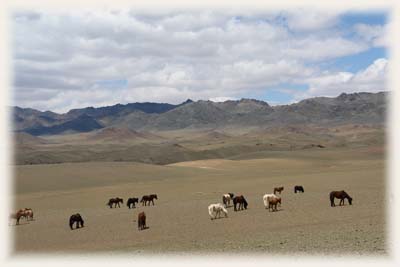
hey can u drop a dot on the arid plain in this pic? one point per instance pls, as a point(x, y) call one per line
point(352, 159)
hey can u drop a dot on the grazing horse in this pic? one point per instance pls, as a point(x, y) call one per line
point(17, 216)
point(115, 202)
point(132, 201)
point(226, 199)
point(241, 201)
point(298, 188)
point(265, 199)
point(215, 210)
point(28, 214)
point(75, 218)
point(278, 189)
point(149, 198)
point(340, 195)
point(142, 221)
point(273, 202)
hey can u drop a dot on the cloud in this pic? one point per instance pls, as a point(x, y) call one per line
point(370, 79)
point(374, 34)
point(311, 20)
point(64, 60)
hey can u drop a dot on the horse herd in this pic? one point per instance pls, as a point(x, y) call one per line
point(114, 202)
point(271, 201)
point(215, 211)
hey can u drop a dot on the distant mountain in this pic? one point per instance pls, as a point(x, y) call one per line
point(360, 108)
point(83, 123)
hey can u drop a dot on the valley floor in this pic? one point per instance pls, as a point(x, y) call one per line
point(179, 221)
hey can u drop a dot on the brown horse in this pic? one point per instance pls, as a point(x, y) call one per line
point(142, 221)
point(75, 218)
point(17, 216)
point(278, 189)
point(148, 198)
point(340, 195)
point(241, 201)
point(28, 214)
point(273, 202)
point(115, 202)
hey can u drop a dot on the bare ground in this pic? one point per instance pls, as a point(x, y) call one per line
point(179, 221)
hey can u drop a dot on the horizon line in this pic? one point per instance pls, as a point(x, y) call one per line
point(202, 100)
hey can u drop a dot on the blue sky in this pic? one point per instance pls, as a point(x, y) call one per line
point(96, 58)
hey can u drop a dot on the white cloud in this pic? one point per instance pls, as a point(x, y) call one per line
point(310, 20)
point(221, 98)
point(374, 34)
point(370, 79)
point(62, 60)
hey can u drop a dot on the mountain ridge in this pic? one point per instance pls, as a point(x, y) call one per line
point(359, 107)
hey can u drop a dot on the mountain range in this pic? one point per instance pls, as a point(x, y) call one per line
point(359, 108)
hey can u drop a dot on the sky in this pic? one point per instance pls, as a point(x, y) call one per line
point(99, 58)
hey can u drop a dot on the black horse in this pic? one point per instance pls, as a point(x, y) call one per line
point(340, 195)
point(241, 201)
point(115, 202)
point(132, 201)
point(298, 188)
point(75, 218)
point(149, 198)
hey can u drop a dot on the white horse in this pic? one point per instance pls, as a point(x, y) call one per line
point(226, 199)
point(215, 210)
point(266, 198)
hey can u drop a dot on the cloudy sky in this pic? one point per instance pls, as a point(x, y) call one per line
point(97, 58)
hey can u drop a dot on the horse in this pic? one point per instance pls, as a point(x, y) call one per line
point(278, 189)
point(340, 195)
point(132, 201)
point(226, 199)
point(241, 201)
point(215, 210)
point(17, 216)
point(273, 202)
point(265, 199)
point(142, 221)
point(149, 198)
point(298, 188)
point(115, 202)
point(28, 214)
point(75, 218)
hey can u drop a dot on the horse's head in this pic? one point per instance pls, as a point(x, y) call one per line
point(350, 200)
point(245, 203)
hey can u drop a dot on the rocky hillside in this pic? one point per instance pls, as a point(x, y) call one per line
point(360, 108)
